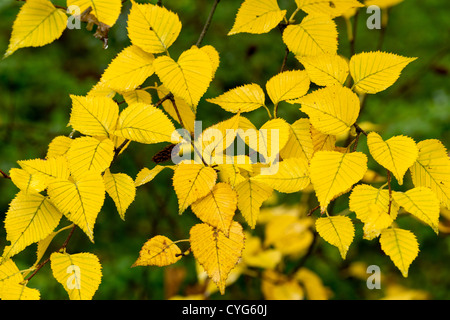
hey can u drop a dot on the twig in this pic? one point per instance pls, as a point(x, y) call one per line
point(312, 210)
point(207, 23)
point(5, 175)
point(63, 246)
point(390, 191)
point(359, 130)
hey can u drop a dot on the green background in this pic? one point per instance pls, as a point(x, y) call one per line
point(35, 84)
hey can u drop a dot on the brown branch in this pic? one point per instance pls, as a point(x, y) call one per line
point(389, 178)
point(6, 176)
point(359, 129)
point(43, 263)
point(207, 23)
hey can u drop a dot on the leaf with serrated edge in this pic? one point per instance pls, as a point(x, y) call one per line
point(396, 154)
point(338, 231)
point(251, 195)
point(288, 85)
point(217, 253)
point(158, 251)
point(106, 11)
point(121, 189)
point(326, 69)
point(244, 98)
point(257, 16)
point(80, 274)
point(401, 246)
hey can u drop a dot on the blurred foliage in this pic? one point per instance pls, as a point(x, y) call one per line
point(35, 84)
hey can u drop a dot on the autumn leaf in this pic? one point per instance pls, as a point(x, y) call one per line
point(158, 251)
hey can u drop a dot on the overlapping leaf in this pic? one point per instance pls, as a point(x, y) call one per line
point(432, 169)
point(422, 203)
point(217, 253)
point(128, 70)
point(326, 69)
point(373, 72)
point(217, 208)
point(251, 195)
point(332, 110)
point(315, 35)
point(288, 85)
point(189, 77)
point(58, 146)
point(288, 176)
point(192, 182)
point(342, 171)
point(333, 8)
point(12, 286)
point(80, 274)
point(338, 231)
point(158, 251)
point(30, 218)
point(87, 154)
point(153, 28)
point(38, 23)
point(52, 168)
point(396, 154)
point(401, 246)
point(94, 116)
point(257, 16)
point(28, 182)
point(121, 189)
point(300, 144)
point(145, 124)
point(80, 201)
point(244, 98)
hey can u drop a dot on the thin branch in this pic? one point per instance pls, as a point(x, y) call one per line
point(174, 104)
point(6, 176)
point(359, 129)
point(207, 23)
point(283, 65)
point(389, 178)
point(63, 246)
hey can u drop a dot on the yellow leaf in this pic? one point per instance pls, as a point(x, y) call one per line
point(146, 175)
point(137, 96)
point(322, 141)
point(289, 234)
point(152, 28)
point(315, 35)
point(11, 284)
point(128, 70)
point(326, 69)
point(315, 290)
point(383, 4)
point(288, 176)
point(332, 8)
point(332, 110)
point(332, 173)
point(158, 251)
point(257, 16)
point(145, 124)
point(273, 136)
point(28, 182)
point(30, 218)
point(101, 89)
point(422, 203)
point(87, 154)
point(183, 110)
point(121, 189)
point(251, 195)
point(38, 23)
point(287, 85)
point(58, 147)
point(401, 246)
point(52, 168)
point(106, 11)
point(362, 200)
point(277, 286)
point(94, 116)
point(245, 98)
point(189, 77)
point(213, 56)
point(217, 138)
point(80, 274)
point(432, 169)
point(338, 231)
point(396, 154)
point(376, 221)
point(217, 253)
point(300, 144)
point(79, 201)
point(217, 208)
point(373, 72)
point(192, 182)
